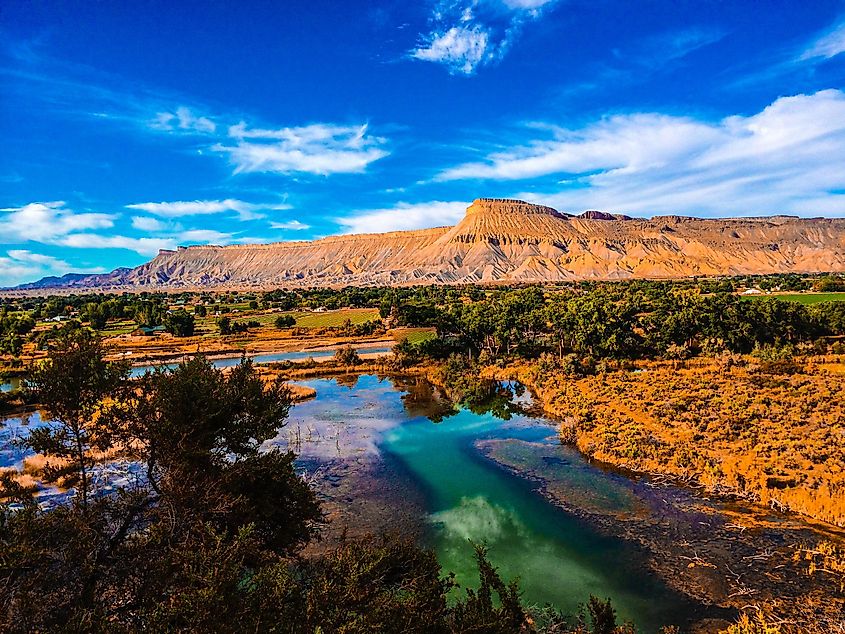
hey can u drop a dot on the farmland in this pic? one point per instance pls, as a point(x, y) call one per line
point(806, 298)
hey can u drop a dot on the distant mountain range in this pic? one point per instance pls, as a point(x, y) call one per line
point(498, 240)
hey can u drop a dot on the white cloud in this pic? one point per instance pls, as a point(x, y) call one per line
point(790, 157)
point(828, 45)
point(148, 224)
point(314, 149)
point(404, 216)
point(183, 119)
point(527, 4)
point(323, 148)
point(46, 221)
point(53, 223)
point(21, 265)
point(460, 48)
point(180, 208)
point(465, 36)
point(290, 225)
point(204, 236)
point(141, 246)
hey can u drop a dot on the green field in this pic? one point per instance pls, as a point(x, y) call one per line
point(807, 298)
point(417, 335)
point(333, 318)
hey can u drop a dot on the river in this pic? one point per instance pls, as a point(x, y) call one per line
point(367, 421)
point(559, 558)
point(266, 357)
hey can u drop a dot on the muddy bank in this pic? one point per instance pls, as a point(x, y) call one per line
point(365, 497)
point(719, 551)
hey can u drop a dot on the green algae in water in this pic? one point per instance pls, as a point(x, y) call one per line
point(558, 558)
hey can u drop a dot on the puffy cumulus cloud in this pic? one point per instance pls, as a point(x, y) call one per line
point(321, 149)
point(790, 157)
point(46, 222)
point(21, 265)
point(55, 224)
point(828, 45)
point(404, 216)
point(183, 120)
point(467, 35)
point(180, 208)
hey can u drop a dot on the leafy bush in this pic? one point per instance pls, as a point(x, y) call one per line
point(347, 355)
point(285, 321)
point(179, 323)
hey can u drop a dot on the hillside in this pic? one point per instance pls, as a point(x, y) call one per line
point(502, 240)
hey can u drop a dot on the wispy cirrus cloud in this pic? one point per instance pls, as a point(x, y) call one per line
point(183, 119)
point(790, 157)
point(829, 44)
point(290, 225)
point(142, 246)
point(181, 208)
point(404, 216)
point(662, 49)
point(319, 148)
point(466, 35)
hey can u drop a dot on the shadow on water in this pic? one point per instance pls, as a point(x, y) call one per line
point(559, 558)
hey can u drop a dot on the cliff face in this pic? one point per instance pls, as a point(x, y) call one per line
point(508, 241)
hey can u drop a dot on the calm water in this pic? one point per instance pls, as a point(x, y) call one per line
point(559, 558)
point(270, 357)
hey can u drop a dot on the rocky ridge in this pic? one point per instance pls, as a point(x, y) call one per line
point(504, 240)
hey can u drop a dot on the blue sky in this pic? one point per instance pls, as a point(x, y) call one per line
point(130, 127)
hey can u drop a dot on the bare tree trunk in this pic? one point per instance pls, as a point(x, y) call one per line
point(83, 469)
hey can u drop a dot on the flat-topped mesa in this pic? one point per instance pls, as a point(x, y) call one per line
point(501, 240)
point(509, 206)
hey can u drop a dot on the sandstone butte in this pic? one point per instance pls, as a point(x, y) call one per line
point(502, 240)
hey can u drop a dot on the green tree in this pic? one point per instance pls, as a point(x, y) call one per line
point(72, 386)
point(285, 321)
point(347, 355)
point(179, 323)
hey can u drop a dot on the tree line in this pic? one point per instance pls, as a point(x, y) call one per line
point(635, 320)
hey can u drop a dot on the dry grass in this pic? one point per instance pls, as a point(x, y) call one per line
point(775, 438)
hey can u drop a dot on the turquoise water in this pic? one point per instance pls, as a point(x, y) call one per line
point(559, 558)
